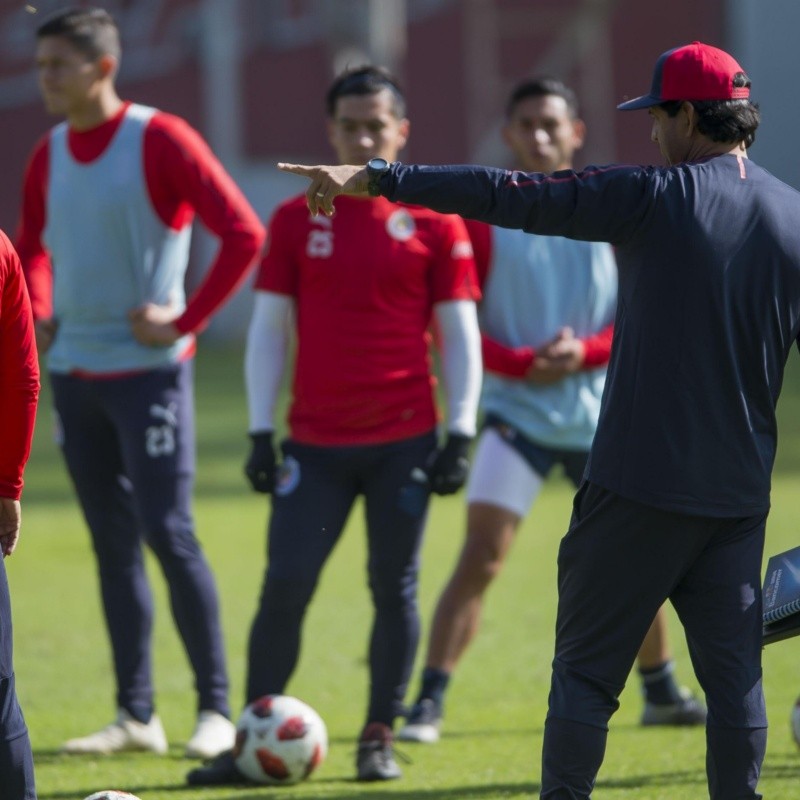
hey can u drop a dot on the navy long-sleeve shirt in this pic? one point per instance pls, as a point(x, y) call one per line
point(709, 306)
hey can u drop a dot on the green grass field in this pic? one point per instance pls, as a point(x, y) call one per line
point(490, 748)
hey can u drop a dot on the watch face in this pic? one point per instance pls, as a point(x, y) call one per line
point(376, 167)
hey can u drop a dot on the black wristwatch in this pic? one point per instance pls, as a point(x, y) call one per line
point(376, 169)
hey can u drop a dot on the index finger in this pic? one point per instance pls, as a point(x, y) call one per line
point(298, 169)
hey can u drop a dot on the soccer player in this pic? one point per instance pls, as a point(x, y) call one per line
point(362, 289)
point(546, 320)
point(19, 392)
point(677, 491)
point(109, 198)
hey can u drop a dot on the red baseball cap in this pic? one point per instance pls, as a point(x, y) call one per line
point(695, 71)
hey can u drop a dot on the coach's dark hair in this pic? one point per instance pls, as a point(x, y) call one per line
point(540, 87)
point(365, 80)
point(92, 31)
point(724, 120)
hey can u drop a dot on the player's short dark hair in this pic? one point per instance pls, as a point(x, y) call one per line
point(91, 31)
point(365, 80)
point(541, 87)
point(724, 120)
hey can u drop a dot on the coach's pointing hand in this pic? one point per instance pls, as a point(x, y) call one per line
point(329, 182)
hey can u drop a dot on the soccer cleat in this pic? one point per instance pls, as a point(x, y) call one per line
point(375, 758)
point(688, 711)
point(214, 734)
point(422, 723)
point(220, 771)
point(123, 735)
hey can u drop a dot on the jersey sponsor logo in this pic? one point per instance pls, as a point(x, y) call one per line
point(288, 477)
point(159, 440)
point(400, 225)
point(461, 250)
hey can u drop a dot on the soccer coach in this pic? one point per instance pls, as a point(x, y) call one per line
point(676, 493)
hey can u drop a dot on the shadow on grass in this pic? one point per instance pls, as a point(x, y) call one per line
point(778, 768)
point(332, 787)
point(784, 768)
point(676, 778)
point(366, 791)
point(350, 788)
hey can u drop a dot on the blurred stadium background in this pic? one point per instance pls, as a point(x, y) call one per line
point(251, 76)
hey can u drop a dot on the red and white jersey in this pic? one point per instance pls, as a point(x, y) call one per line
point(127, 190)
point(532, 287)
point(19, 372)
point(364, 284)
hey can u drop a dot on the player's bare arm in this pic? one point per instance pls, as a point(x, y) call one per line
point(328, 182)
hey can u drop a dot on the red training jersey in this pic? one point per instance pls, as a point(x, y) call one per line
point(183, 177)
point(19, 372)
point(364, 283)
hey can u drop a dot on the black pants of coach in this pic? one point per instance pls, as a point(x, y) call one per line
point(16, 761)
point(129, 444)
point(315, 491)
point(617, 564)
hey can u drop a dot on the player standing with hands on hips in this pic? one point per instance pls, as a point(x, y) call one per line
point(109, 199)
point(19, 392)
point(362, 289)
point(546, 320)
point(678, 482)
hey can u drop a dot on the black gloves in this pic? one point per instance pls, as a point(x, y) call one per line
point(449, 465)
point(260, 467)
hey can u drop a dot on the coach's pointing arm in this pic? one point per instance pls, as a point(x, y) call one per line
point(596, 204)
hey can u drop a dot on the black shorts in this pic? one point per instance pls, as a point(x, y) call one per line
point(541, 459)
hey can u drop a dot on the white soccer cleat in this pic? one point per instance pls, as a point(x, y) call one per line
point(213, 734)
point(125, 734)
point(423, 723)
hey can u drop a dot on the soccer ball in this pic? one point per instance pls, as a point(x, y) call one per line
point(111, 794)
point(279, 740)
point(795, 720)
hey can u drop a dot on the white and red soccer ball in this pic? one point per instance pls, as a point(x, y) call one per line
point(111, 794)
point(279, 740)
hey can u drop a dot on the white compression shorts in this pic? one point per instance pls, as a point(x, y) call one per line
point(500, 476)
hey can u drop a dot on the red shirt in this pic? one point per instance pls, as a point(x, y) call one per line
point(365, 282)
point(183, 178)
point(19, 372)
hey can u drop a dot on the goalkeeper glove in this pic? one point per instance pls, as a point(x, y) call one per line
point(260, 466)
point(449, 465)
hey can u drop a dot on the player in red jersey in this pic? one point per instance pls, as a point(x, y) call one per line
point(109, 198)
point(19, 391)
point(363, 288)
